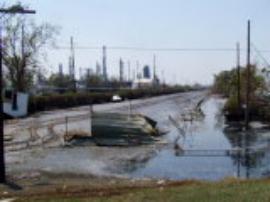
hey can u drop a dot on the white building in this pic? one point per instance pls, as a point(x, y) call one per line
point(142, 83)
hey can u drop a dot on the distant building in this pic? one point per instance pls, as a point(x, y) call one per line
point(60, 69)
point(89, 72)
point(98, 69)
point(80, 73)
point(142, 83)
point(146, 72)
point(71, 68)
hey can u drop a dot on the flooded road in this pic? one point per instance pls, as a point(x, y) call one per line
point(211, 151)
point(201, 148)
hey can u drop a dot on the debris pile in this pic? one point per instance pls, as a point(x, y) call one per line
point(114, 129)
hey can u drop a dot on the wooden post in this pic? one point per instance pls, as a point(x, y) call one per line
point(66, 120)
point(247, 78)
point(238, 76)
point(90, 119)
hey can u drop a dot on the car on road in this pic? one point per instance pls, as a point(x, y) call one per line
point(116, 98)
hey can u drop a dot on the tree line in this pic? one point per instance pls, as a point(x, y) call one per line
point(226, 83)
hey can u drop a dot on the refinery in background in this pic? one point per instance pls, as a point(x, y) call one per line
point(98, 79)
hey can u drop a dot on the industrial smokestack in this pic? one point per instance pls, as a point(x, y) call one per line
point(121, 70)
point(104, 64)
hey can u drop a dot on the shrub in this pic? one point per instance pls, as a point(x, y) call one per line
point(61, 101)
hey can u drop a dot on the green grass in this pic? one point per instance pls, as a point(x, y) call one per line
point(204, 192)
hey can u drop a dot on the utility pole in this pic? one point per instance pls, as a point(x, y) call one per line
point(2, 155)
point(238, 77)
point(247, 78)
point(11, 10)
point(154, 67)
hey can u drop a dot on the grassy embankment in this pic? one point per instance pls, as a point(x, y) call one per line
point(227, 190)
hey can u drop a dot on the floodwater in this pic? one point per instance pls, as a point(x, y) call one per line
point(206, 151)
point(204, 148)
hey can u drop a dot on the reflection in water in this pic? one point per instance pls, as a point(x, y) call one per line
point(219, 123)
point(250, 155)
point(131, 163)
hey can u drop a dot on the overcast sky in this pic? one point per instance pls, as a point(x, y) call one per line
point(157, 24)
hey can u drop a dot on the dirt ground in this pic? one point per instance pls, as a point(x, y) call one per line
point(66, 185)
point(86, 188)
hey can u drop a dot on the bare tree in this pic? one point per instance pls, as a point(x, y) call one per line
point(24, 44)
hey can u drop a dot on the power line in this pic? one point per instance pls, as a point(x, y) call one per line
point(260, 55)
point(131, 48)
point(145, 48)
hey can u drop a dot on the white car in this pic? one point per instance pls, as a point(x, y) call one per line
point(116, 98)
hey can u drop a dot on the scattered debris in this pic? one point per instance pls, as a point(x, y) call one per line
point(188, 116)
point(161, 182)
point(8, 138)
